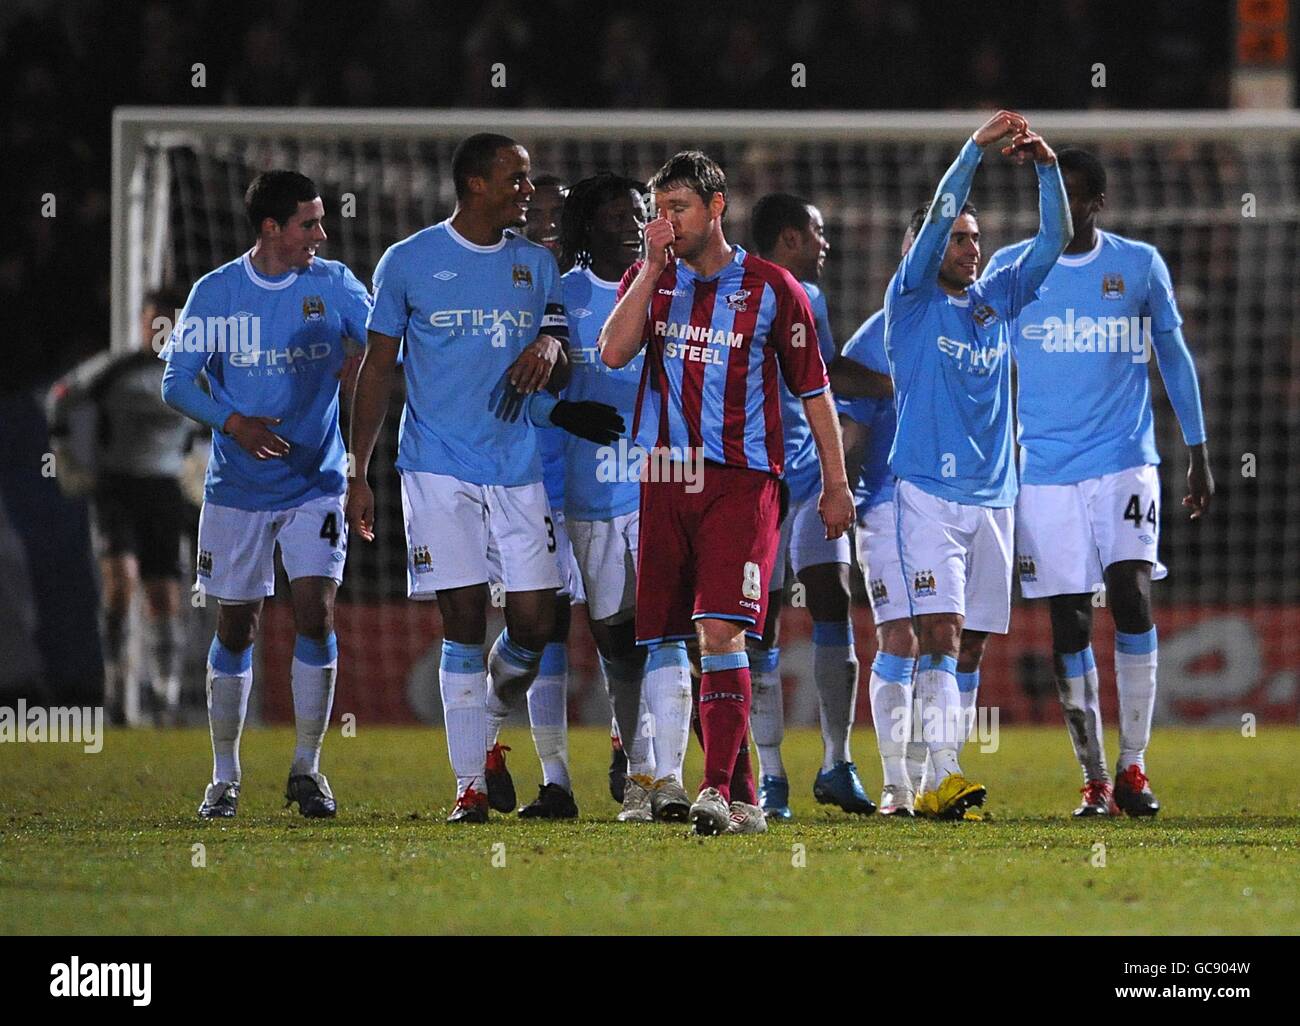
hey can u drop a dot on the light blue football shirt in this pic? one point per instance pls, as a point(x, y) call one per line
point(594, 485)
point(465, 313)
point(950, 356)
point(281, 355)
point(1082, 352)
point(803, 473)
point(874, 482)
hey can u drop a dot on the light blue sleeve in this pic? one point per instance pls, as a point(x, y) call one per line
point(389, 311)
point(537, 410)
point(1160, 305)
point(187, 347)
point(181, 391)
point(921, 264)
point(1015, 286)
point(356, 306)
point(867, 349)
point(1178, 370)
point(822, 320)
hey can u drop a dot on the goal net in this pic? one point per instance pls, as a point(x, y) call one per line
point(1217, 193)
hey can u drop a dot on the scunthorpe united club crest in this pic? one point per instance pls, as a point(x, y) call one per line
point(736, 301)
point(923, 583)
point(1028, 569)
point(313, 308)
point(421, 560)
point(1112, 286)
point(522, 277)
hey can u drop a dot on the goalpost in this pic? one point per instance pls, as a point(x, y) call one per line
point(1217, 192)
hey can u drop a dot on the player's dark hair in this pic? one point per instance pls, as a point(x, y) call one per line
point(1086, 164)
point(579, 217)
point(919, 215)
point(166, 298)
point(276, 194)
point(541, 181)
point(692, 169)
point(473, 158)
point(773, 214)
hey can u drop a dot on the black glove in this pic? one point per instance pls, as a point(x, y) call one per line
point(596, 422)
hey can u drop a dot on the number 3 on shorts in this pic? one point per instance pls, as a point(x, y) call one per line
point(1133, 512)
point(329, 529)
point(550, 534)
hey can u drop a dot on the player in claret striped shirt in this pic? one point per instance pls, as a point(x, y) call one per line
point(723, 327)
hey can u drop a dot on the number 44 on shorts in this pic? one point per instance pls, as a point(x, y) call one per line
point(1133, 512)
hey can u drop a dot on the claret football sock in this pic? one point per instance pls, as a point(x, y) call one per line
point(230, 681)
point(725, 692)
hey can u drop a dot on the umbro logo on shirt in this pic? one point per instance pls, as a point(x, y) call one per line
point(580, 313)
point(445, 275)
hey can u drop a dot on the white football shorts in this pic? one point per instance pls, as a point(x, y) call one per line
point(452, 525)
point(236, 561)
point(882, 570)
point(956, 558)
point(1066, 535)
point(804, 543)
point(605, 552)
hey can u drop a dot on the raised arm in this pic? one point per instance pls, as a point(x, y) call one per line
point(921, 263)
point(624, 333)
point(1055, 229)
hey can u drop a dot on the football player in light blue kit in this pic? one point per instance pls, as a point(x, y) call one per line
point(789, 231)
point(649, 687)
point(475, 305)
point(1088, 514)
point(948, 337)
point(268, 331)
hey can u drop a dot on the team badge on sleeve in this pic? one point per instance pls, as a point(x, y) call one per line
point(879, 593)
point(205, 563)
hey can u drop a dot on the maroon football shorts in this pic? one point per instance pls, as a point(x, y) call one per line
point(707, 553)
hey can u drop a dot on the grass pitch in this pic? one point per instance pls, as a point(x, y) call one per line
point(106, 844)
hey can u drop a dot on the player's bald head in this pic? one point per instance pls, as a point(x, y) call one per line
point(474, 157)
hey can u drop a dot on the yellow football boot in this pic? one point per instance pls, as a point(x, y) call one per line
point(955, 795)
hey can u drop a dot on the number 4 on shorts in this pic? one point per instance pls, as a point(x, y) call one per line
point(330, 529)
point(1133, 511)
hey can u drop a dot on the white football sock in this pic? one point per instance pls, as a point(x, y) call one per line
point(936, 686)
point(1135, 679)
point(891, 713)
point(548, 715)
point(1081, 704)
point(968, 686)
point(315, 667)
point(835, 668)
point(229, 683)
point(666, 697)
point(767, 709)
point(511, 669)
point(462, 679)
point(623, 676)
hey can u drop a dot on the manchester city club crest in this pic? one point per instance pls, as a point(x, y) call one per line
point(879, 593)
point(985, 315)
point(923, 583)
point(522, 277)
point(205, 563)
point(1028, 569)
point(1112, 286)
point(313, 308)
point(421, 560)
